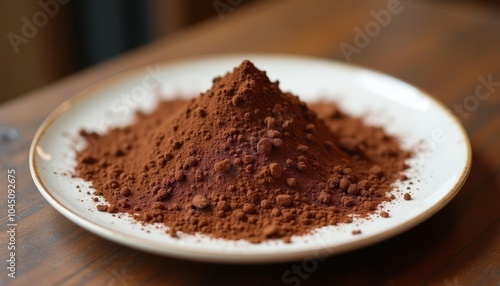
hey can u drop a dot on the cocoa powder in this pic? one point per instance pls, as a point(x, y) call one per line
point(244, 160)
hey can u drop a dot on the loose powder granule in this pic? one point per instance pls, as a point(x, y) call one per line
point(407, 196)
point(244, 160)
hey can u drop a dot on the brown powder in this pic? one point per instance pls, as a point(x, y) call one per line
point(244, 160)
point(407, 196)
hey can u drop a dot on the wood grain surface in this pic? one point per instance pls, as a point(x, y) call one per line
point(447, 49)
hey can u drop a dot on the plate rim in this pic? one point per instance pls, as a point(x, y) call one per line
point(179, 251)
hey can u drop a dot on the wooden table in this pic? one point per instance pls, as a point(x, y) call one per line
point(444, 48)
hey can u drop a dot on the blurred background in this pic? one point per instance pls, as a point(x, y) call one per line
point(48, 39)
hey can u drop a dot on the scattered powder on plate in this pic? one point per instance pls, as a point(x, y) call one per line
point(244, 160)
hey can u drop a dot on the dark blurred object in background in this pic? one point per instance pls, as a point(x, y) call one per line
point(104, 29)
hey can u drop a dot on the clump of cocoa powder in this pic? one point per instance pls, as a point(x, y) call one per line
point(244, 160)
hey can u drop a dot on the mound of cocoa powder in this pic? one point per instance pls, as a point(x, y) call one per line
point(244, 160)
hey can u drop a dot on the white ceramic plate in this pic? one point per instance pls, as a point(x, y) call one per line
point(437, 172)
